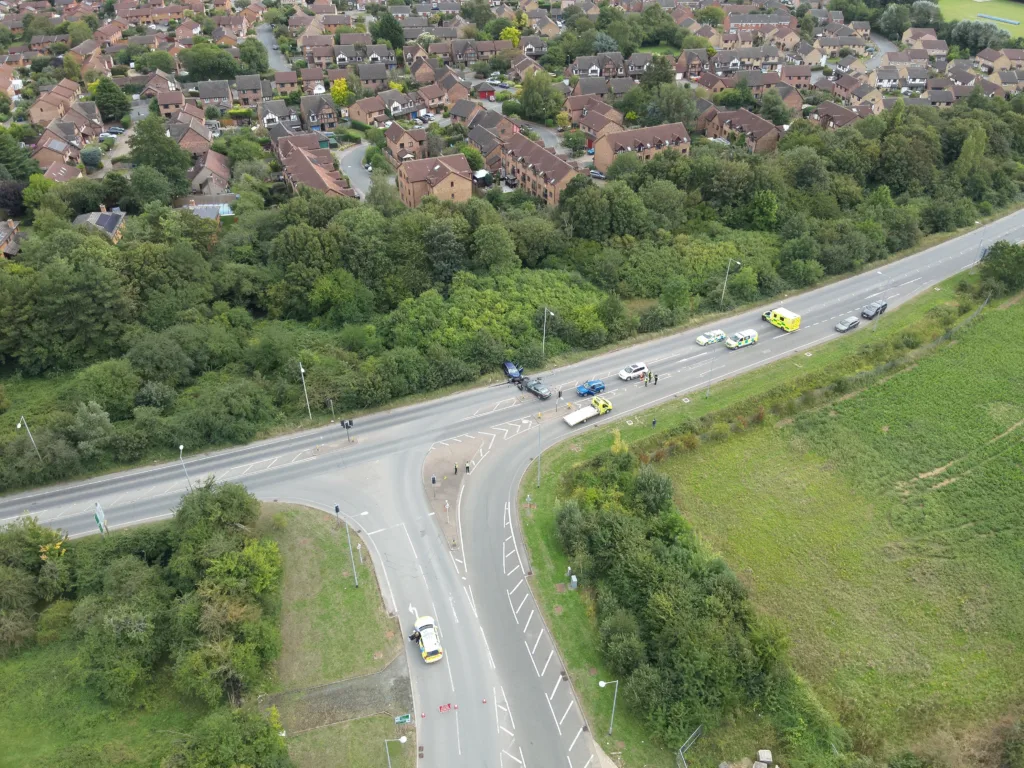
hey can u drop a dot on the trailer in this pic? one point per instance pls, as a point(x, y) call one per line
point(598, 406)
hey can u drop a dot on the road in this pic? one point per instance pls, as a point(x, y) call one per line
point(511, 705)
point(351, 163)
point(883, 45)
point(278, 61)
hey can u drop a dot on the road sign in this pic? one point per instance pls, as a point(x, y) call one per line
point(403, 719)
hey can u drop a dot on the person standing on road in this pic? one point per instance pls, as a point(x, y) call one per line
point(456, 467)
point(655, 379)
point(647, 379)
point(467, 467)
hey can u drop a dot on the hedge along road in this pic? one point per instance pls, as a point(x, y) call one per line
point(511, 705)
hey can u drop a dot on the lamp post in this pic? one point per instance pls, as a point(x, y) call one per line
point(544, 337)
point(726, 283)
point(615, 698)
point(181, 458)
point(400, 740)
point(21, 422)
point(331, 403)
point(302, 373)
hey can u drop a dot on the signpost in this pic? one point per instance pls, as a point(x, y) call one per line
point(403, 719)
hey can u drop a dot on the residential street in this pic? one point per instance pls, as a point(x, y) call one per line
point(351, 163)
point(884, 46)
point(278, 61)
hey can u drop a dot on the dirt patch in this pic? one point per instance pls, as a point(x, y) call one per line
point(575, 448)
point(389, 634)
point(885, 428)
point(945, 482)
point(1010, 302)
point(378, 655)
point(558, 610)
point(559, 588)
point(593, 671)
point(937, 470)
point(783, 423)
point(1011, 429)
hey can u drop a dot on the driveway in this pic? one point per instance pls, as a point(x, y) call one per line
point(351, 163)
point(278, 61)
point(883, 45)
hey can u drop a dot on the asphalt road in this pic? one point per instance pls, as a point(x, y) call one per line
point(278, 61)
point(511, 705)
point(351, 163)
point(883, 45)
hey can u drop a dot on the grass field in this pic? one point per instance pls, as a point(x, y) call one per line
point(48, 717)
point(572, 624)
point(332, 631)
point(969, 10)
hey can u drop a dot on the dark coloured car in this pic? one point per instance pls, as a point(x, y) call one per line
point(535, 387)
point(513, 372)
point(875, 309)
point(847, 324)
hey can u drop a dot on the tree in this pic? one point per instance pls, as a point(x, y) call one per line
point(1004, 263)
point(671, 103)
point(147, 185)
point(154, 60)
point(233, 737)
point(659, 71)
point(895, 20)
point(151, 146)
point(575, 142)
point(206, 61)
point(925, 14)
point(253, 56)
point(713, 15)
point(15, 162)
point(494, 250)
point(539, 98)
point(773, 108)
point(387, 28)
point(112, 102)
point(340, 92)
point(603, 42)
point(38, 188)
point(562, 120)
point(510, 33)
point(473, 156)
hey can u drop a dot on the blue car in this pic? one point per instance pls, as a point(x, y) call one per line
point(590, 388)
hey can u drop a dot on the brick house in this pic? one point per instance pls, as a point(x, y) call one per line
point(464, 111)
point(368, 111)
point(446, 178)
point(404, 145)
point(645, 143)
point(170, 103)
point(211, 174)
point(758, 134)
point(216, 93)
point(373, 77)
point(535, 168)
point(286, 82)
point(318, 113)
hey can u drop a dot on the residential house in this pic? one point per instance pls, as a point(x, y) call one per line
point(758, 22)
point(286, 82)
point(400, 104)
point(373, 77)
point(312, 80)
point(596, 125)
point(533, 46)
point(500, 126)
point(489, 146)
point(543, 24)
point(602, 65)
point(797, 76)
point(434, 98)
point(591, 86)
point(109, 223)
point(535, 168)
point(369, 111)
point(757, 134)
point(318, 113)
point(53, 150)
point(914, 34)
point(9, 237)
point(211, 174)
point(578, 106)
point(691, 64)
point(170, 103)
point(521, 65)
point(447, 178)
point(454, 87)
point(61, 172)
point(157, 83)
point(403, 145)
point(277, 112)
point(40, 43)
point(190, 133)
point(833, 45)
point(832, 116)
point(249, 90)
point(937, 50)
point(109, 33)
point(851, 65)
point(413, 52)
point(464, 111)
point(644, 142)
point(216, 93)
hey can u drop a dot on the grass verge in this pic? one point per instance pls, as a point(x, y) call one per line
point(353, 744)
point(330, 630)
point(571, 617)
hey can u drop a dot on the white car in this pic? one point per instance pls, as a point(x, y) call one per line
point(711, 337)
point(634, 371)
point(103, 136)
point(429, 640)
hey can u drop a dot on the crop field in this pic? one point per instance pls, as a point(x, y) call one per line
point(969, 10)
point(884, 532)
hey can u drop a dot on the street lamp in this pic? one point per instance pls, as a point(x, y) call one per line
point(615, 698)
point(726, 283)
point(400, 740)
point(302, 373)
point(181, 458)
point(34, 446)
point(544, 338)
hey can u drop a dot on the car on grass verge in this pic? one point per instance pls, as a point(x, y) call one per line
point(634, 371)
point(430, 639)
point(874, 309)
point(592, 387)
point(513, 372)
point(711, 337)
point(848, 324)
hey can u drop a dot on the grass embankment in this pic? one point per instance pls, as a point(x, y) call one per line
point(573, 624)
point(330, 631)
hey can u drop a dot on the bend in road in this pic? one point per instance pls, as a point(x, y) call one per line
point(515, 704)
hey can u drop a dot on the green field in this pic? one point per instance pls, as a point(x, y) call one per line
point(969, 10)
point(818, 520)
point(355, 744)
point(886, 536)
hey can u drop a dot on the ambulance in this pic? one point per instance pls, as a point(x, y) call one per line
point(783, 318)
point(741, 339)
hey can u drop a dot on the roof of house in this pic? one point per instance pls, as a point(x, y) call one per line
point(373, 71)
point(546, 163)
point(214, 89)
point(106, 221)
point(435, 169)
point(215, 162)
point(248, 83)
point(61, 172)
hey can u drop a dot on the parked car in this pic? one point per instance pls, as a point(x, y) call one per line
point(115, 129)
point(490, 98)
point(634, 371)
point(429, 639)
point(535, 387)
point(848, 324)
point(711, 337)
point(276, 47)
point(494, 81)
point(590, 151)
point(596, 174)
point(367, 167)
point(588, 388)
point(104, 136)
point(874, 309)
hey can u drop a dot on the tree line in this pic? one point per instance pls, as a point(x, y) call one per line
point(189, 333)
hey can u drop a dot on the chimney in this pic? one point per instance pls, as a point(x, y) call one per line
point(103, 208)
point(10, 224)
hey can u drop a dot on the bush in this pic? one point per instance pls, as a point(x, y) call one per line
point(654, 318)
point(359, 126)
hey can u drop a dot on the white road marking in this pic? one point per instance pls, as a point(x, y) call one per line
point(575, 739)
point(516, 568)
point(532, 661)
point(379, 530)
point(528, 622)
point(512, 606)
point(550, 654)
point(571, 702)
point(534, 649)
point(451, 600)
point(553, 715)
point(458, 736)
point(512, 756)
point(508, 709)
point(521, 604)
point(490, 658)
point(517, 586)
point(558, 682)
